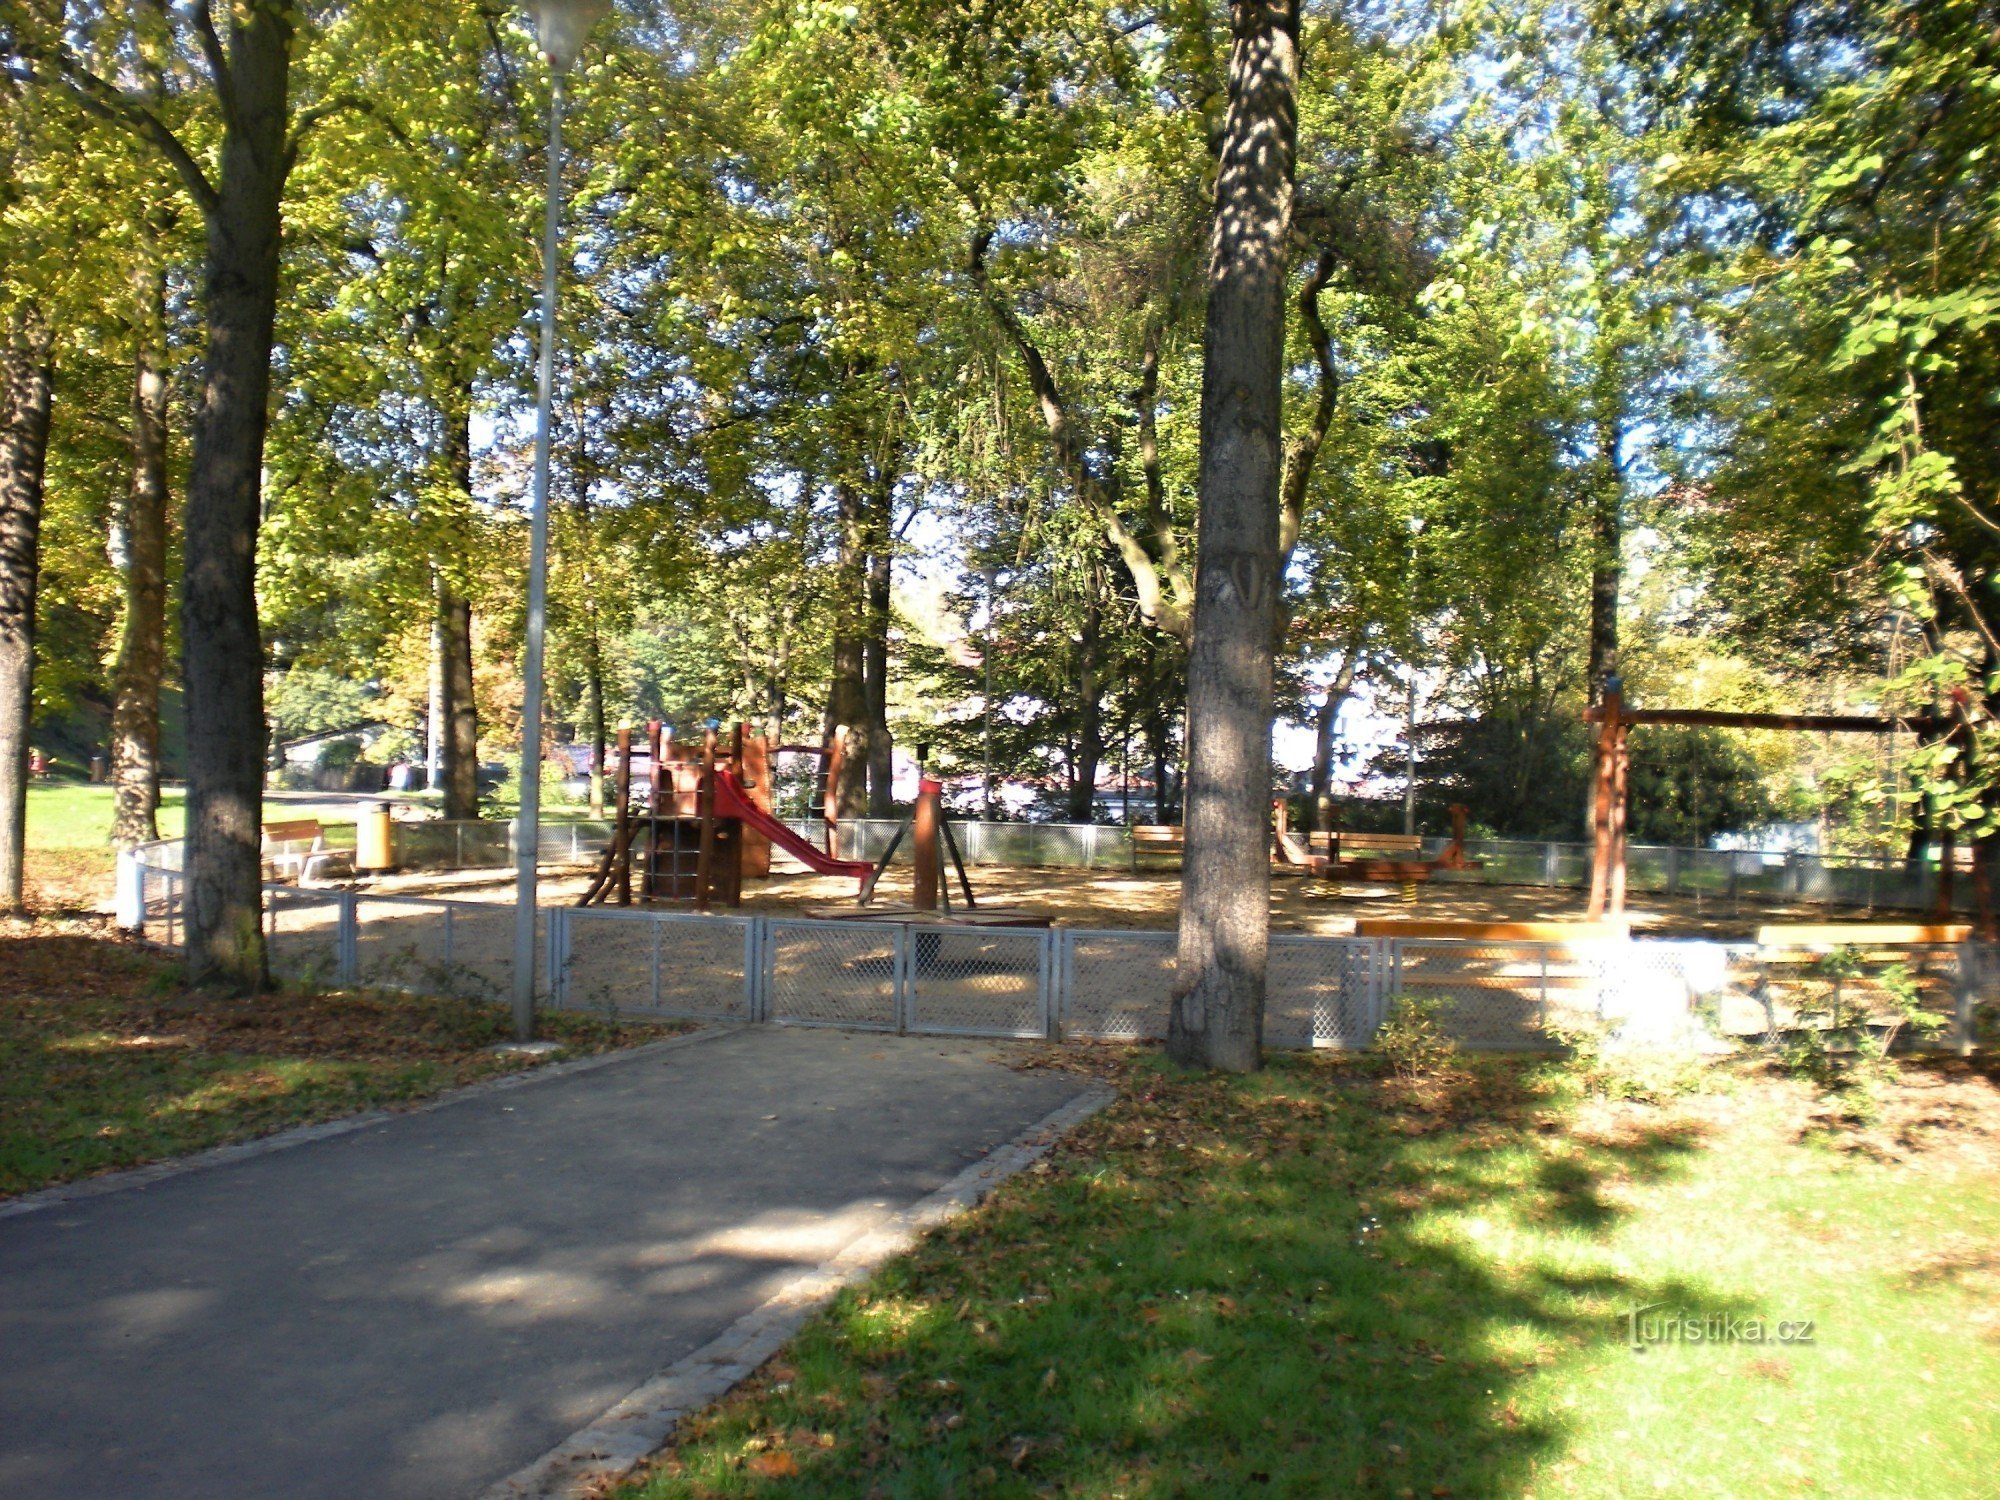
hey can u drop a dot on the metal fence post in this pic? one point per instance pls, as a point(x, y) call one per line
point(757, 955)
point(347, 939)
point(1965, 988)
point(1044, 980)
point(901, 968)
point(1059, 1002)
point(131, 897)
point(1550, 863)
point(1542, 1011)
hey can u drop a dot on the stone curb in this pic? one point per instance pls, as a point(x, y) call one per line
point(305, 1135)
point(642, 1423)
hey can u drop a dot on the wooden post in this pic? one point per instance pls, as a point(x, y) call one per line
point(753, 768)
point(659, 746)
point(836, 752)
point(1947, 843)
point(924, 835)
point(704, 864)
point(624, 834)
point(1604, 790)
point(1620, 763)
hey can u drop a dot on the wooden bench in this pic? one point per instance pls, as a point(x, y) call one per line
point(1376, 845)
point(1157, 841)
point(1860, 934)
point(297, 851)
point(1491, 932)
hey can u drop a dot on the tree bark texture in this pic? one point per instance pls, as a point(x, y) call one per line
point(1218, 998)
point(875, 654)
point(1337, 694)
point(27, 385)
point(223, 648)
point(1607, 535)
point(142, 626)
point(461, 709)
point(847, 698)
point(1089, 737)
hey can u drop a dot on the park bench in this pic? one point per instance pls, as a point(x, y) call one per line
point(1347, 845)
point(297, 851)
point(1554, 967)
point(1157, 841)
point(1791, 961)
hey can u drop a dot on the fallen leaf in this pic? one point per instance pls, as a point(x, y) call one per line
point(779, 1465)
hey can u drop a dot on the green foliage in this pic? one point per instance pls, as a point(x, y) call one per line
point(308, 700)
point(1848, 1023)
point(1414, 1042)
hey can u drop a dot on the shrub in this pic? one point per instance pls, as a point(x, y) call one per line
point(1847, 1030)
point(1413, 1041)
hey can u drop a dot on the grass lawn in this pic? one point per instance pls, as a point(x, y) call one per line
point(107, 1062)
point(75, 815)
point(1311, 1283)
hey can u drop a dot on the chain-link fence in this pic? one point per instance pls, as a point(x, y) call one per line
point(1083, 983)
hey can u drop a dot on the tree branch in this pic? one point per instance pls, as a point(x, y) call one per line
point(1302, 452)
point(1162, 595)
point(216, 57)
point(107, 102)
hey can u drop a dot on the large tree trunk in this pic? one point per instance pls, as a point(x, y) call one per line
point(875, 656)
point(1607, 537)
point(1337, 693)
point(1218, 999)
point(142, 626)
point(224, 652)
point(461, 709)
point(593, 666)
point(1089, 738)
point(847, 696)
point(27, 384)
point(461, 712)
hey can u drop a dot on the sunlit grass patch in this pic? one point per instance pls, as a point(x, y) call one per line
point(1289, 1284)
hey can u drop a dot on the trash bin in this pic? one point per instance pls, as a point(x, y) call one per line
point(371, 837)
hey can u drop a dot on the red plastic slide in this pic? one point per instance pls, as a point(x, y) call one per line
point(732, 801)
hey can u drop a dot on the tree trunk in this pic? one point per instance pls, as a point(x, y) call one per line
point(27, 384)
point(875, 656)
point(1337, 693)
point(1089, 738)
point(224, 651)
point(594, 703)
point(847, 697)
point(142, 627)
point(1607, 536)
point(461, 711)
point(461, 707)
point(1218, 998)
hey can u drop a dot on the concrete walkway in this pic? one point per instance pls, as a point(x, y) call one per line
point(421, 1307)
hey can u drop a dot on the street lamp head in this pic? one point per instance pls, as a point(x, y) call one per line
point(563, 25)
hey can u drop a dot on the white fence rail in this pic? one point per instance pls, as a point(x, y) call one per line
point(1053, 983)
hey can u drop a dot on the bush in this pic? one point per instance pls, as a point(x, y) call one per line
point(1641, 1075)
point(1847, 1033)
point(1414, 1043)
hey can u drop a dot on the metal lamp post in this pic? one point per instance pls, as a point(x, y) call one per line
point(562, 26)
point(1416, 525)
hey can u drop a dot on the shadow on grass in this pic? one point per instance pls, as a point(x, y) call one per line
point(1275, 1285)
